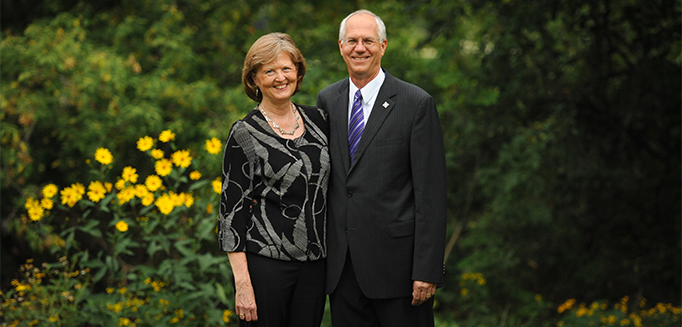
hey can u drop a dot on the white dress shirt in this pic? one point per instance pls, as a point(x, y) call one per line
point(369, 95)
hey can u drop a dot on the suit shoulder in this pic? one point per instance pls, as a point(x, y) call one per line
point(410, 89)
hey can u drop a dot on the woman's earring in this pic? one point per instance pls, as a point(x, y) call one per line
point(257, 92)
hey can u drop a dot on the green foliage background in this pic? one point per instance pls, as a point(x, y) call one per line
point(561, 122)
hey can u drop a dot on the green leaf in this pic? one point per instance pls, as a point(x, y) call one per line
point(220, 291)
point(184, 249)
point(198, 184)
point(90, 228)
point(207, 260)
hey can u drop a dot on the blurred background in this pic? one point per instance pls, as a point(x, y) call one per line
point(561, 121)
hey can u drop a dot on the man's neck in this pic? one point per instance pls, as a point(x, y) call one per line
point(360, 82)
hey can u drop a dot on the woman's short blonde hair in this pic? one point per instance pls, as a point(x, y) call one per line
point(265, 50)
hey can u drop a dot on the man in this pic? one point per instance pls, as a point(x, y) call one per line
point(387, 196)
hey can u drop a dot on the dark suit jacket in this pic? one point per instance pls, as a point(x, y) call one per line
point(388, 208)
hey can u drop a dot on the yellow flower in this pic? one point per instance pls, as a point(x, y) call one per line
point(165, 204)
point(35, 211)
point(147, 280)
point(611, 319)
point(116, 308)
point(120, 184)
point(164, 302)
point(78, 187)
point(209, 208)
point(226, 316)
point(178, 199)
point(130, 174)
point(166, 136)
point(163, 167)
point(153, 182)
point(50, 190)
point(217, 185)
point(189, 200)
point(126, 194)
point(464, 292)
point(123, 290)
point(46, 203)
point(110, 290)
point(213, 146)
point(122, 226)
point(181, 158)
point(157, 285)
point(195, 175)
point(141, 191)
point(103, 155)
point(581, 310)
point(157, 153)
point(566, 306)
point(123, 321)
point(148, 199)
point(145, 143)
point(54, 318)
point(96, 191)
point(108, 186)
point(71, 195)
point(19, 287)
point(661, 307)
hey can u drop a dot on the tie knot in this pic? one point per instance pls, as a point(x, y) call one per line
point(358, 95)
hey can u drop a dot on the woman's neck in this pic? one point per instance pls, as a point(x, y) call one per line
point(278, 109)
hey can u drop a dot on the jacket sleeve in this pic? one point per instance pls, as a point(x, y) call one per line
point(427, 159)
point(235, 197)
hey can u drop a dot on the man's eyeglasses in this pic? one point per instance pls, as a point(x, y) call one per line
point(368, 43)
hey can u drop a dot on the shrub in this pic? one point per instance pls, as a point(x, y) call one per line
point(136, 247)
point(600, 313)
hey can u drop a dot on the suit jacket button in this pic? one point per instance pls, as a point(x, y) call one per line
point(349, 194)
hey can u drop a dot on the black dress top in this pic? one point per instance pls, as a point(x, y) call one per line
point(274, 196)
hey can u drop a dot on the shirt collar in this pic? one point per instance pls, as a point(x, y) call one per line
point(370, 91)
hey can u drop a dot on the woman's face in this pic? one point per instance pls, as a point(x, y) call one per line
point(277, 79)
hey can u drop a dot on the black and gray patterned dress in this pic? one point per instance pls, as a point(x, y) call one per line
point(274, 196)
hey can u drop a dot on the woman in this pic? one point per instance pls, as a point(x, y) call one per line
point(273, 202)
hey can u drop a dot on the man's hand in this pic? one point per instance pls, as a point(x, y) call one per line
point(422, 291)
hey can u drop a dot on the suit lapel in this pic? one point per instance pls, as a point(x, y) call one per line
point(339, 117)
point(381, 109)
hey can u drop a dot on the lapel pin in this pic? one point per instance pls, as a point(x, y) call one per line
point(385, 105)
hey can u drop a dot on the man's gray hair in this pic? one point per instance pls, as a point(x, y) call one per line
point(381, 28)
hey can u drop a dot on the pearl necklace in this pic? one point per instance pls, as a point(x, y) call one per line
point(281, 131)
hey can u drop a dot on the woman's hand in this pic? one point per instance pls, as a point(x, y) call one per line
point(245, 302)
point(245, 299)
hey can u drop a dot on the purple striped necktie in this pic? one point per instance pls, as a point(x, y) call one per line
point(355, 126)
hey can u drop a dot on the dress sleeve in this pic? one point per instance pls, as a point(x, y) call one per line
point(235, 197)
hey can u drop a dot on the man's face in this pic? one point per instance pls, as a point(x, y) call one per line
point(360, 48)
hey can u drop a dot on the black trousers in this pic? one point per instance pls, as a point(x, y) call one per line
point(288, 294)
point(351, 308)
